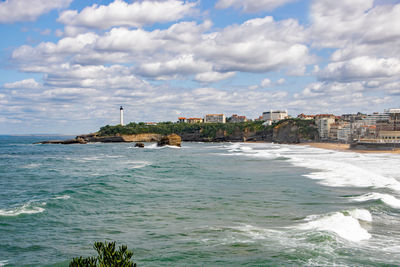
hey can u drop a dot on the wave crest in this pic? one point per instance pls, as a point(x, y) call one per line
point(385, 198)
point(344, 224)
point(27, 208)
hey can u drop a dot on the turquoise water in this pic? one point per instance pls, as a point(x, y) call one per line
point(203, 204)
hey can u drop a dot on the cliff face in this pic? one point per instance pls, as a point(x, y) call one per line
point(292, 132)
point(150, 137)
point(286, 132)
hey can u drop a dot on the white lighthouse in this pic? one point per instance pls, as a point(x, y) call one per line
point(121, 116)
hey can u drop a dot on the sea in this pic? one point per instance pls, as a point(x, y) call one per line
point(204, 204)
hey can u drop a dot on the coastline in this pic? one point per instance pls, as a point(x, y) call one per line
point(345, 148)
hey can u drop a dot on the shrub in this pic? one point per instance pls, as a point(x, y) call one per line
point(107, 257)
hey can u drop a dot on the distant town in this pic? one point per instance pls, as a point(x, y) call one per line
point(347, 128)
point(375, 128)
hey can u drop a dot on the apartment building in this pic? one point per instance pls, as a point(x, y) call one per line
point(194, 120)
point(219, 118)
point(236, 118)
point(274, 115)
point(323, 122)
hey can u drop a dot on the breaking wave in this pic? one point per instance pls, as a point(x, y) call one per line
point(27, 208)
point(385, 198)
point(62, 197)
point(345, 224)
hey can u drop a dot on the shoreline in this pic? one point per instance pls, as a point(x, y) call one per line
point(345, 148)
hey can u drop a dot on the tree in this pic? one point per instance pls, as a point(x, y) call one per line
point(108, 257)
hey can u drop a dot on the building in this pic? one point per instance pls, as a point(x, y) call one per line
point(344, 134)
point(305, 117)
point(391, 123)
point(121, 116)
point(392, 110)
point(368, 132)
point(394, 118)
point(236, 118)
point(323, 122)
point(182, 119)
point(333, 131)
point(389, 136)
point(216, 118)
point(374, 117)
point(194, 120)
point(274, 115)
point(353, 117)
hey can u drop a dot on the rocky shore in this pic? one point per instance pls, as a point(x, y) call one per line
point(172, 139)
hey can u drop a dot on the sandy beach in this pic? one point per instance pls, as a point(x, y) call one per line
point(346, 147)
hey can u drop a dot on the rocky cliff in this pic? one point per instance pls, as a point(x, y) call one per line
point(294, 131)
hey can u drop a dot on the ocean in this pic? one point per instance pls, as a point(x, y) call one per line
point(205, 204)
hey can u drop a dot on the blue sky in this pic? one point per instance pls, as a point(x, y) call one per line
point(66, 66)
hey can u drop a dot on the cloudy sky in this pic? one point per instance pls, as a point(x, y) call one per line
point(67, 65)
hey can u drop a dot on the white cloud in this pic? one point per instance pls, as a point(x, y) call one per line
point(266, 83)
point(252, 5)
point(28, 10)
point(337, 98)
point(361, 68)
point(28, 83)
point(120, 13)
point(280, 81)
point(349, 22)
point(186, 48)
point(257, 45)
point(182, 65)
point(212, 76)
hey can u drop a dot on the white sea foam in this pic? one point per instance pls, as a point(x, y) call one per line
point(3, 262)
point(62, 197)
point(31, 166)
point(155, 146)
point(94, 158)
point(27, 208)
point(331, 168)
point(344, 172)
point(137, 164)
point(344, 224)
point(385, 198)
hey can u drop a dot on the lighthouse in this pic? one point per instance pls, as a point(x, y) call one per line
point(121, 116)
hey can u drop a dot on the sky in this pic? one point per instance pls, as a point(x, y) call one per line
point(66, 66)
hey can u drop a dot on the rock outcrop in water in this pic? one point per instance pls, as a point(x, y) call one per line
point(65, 142)
point(139, 144)
point(170, 140)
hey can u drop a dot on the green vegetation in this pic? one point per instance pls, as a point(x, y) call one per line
point(212, 131)
point(164, 128)
point(107, 257)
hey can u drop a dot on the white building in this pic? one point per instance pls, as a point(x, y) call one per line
point(274, 115)
point(220, 118)
point(323, 122)
point(373, 118)
point(392, 110)
point(121, 116)
point(344, 134)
